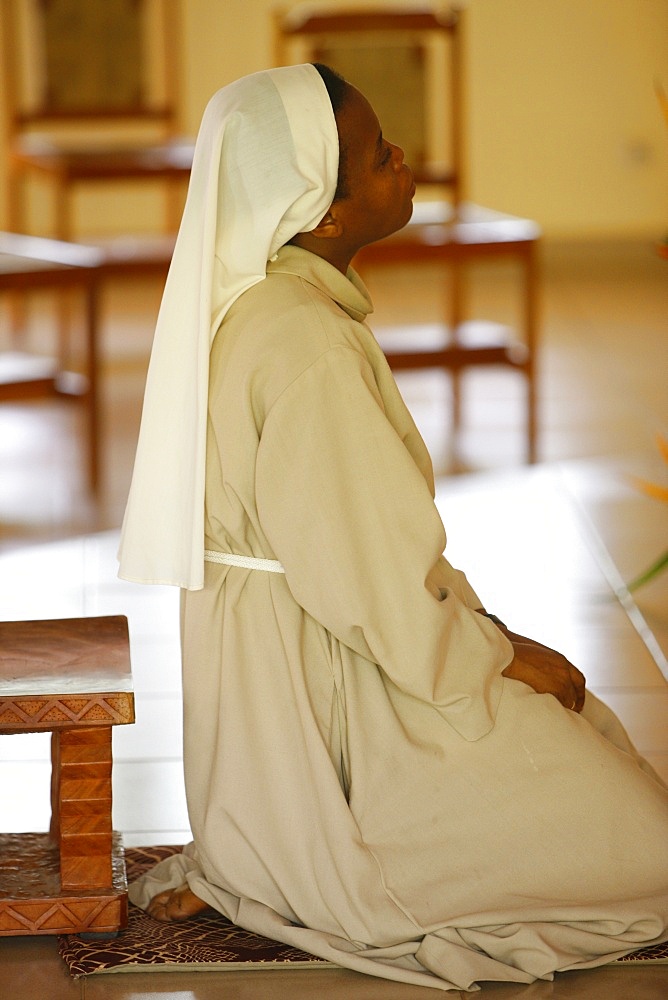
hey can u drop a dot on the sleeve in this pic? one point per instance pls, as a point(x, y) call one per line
point(453, 579)
point(351, 518)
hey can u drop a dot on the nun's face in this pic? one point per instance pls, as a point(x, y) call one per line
point(379, 184)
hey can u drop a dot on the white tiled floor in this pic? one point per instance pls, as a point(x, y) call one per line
point(546, 548)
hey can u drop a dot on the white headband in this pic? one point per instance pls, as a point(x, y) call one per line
point(265, 168)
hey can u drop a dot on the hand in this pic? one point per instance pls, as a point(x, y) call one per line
point(544, 669)
point(547, 672)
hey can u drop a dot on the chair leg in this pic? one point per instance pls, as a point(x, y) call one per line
point(92, 411)
point(456, 407)
point(174, 205)
point(88, 391)
point(531, 335)
point(456, 312)
point(63, 230)
point(16, 221)
point(532, 421)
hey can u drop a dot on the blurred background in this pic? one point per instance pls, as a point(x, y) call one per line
point(563, 125)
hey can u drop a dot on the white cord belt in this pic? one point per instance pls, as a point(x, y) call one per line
point(245, 562)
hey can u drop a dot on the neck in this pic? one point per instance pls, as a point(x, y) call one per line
point(338, 256)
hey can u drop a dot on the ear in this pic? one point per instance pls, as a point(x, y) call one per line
point(329, 227)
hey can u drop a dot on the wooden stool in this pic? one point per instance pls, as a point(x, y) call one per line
point(70, 677)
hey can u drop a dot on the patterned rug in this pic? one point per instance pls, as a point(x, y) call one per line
point(204, 943)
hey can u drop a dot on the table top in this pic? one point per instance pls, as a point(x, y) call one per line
point(33, 261)
point(19, 251)
point(36, 261)
point(172, 158)
point(437, 227)
point(70, 671)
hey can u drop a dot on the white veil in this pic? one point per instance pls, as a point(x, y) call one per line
point(265, 168)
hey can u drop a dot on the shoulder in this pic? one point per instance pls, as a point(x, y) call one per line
point(276, 332)
point(287, 321)
point(284, 302)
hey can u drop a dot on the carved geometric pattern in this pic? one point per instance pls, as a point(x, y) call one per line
point(59, 916)
point(33, 902)
point(58, 710)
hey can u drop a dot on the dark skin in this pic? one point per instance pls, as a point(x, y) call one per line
point(546, 671)
point(379, 202)
point(380, 186)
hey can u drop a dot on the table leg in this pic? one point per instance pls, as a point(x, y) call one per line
point(92, 402)
point(81, 806)
point(531, 327)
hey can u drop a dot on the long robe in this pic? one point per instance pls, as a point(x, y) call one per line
point(362, 781)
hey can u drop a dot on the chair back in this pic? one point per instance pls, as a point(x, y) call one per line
point(92, 64)
point(407, 62)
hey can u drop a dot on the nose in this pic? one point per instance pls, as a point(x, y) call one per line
point(397, 156)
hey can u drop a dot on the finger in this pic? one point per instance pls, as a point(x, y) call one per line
point(580, 676)
point(568, 694)
point(578, 700)
point(568, 699)
point(580, 689)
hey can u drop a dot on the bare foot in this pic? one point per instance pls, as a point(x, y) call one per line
point(176, 904)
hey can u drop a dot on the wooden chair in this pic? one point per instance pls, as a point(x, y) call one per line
point(90, 91)
point(409, 63)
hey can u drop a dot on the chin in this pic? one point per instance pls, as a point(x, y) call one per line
point(408, 214)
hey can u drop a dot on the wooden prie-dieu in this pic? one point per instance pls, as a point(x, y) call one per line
point(70, 677)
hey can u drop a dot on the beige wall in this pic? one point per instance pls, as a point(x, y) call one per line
point(567, 125)
point(563, 125)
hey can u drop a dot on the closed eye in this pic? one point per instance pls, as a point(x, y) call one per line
point(386, 156)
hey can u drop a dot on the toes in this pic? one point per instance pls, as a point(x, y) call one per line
point(175, 904)
point(158, 906)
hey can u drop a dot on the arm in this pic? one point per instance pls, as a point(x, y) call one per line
point(351, 518)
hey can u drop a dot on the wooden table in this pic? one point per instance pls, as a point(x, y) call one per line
point(29, 263)
point(70, 677)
